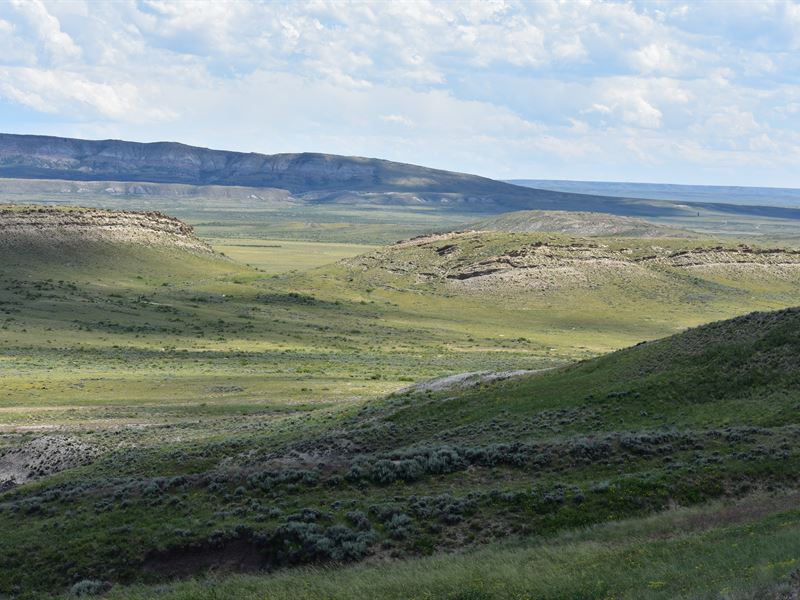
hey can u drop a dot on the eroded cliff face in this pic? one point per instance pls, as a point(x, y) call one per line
point(50, 226)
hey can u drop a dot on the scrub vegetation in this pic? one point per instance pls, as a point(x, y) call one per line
point(175, 423)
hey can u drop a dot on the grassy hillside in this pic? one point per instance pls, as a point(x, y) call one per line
point(742, 550)
point(561, 291)
point(167, 410)
point(707, 414)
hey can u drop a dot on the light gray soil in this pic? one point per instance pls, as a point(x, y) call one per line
point(52, 226)
point(43, 456)
point(464, 380)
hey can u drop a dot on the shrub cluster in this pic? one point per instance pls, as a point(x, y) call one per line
point(268, 480)
point(445, 508)
point(415, 463)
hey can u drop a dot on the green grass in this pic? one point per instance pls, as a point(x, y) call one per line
point(280, 256)
point(577, 223)
point(615, 437)
point(740, 550)
point(223, 401)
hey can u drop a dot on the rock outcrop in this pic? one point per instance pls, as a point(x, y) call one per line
point(50, 226)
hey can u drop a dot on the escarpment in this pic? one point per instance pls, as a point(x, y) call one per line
point(54, 227)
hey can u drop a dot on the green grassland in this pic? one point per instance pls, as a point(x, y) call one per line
point(577, 223)
point(237, 420)
point(707, 414)
point(349, 224)
point(234, 212)
point(280, 256)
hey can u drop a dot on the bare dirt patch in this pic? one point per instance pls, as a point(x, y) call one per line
point(464, 380)
point(237, 555)
point(43, 456)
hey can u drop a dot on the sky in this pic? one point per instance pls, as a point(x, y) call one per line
point(698, 92)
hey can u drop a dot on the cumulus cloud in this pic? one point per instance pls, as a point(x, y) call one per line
point(56, 92)
point(399, 119)
point(57, 45)
point(506, 88)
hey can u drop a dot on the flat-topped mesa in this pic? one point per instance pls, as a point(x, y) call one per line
point(50, 226)
point(47, 157)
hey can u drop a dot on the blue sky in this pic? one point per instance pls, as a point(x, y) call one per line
point(699, 92)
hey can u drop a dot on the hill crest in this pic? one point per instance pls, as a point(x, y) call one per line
point(590, 224)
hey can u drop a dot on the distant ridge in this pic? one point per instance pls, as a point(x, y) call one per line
point(46, 157)
point(767, 196)
point(316, 178)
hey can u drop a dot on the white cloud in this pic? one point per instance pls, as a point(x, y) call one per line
point(505, 88)
point(731, 122)
point(399, 119)
point(569, 49)
point(655, 58)
point(57, 45)
point(57, 92)
point(793, 23)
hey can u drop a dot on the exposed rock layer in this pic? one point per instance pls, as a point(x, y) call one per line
point(54, 226)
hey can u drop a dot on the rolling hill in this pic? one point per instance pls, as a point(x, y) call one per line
point(576, 223)
point(539, 266)
point(168, 412)
point(34, 229)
